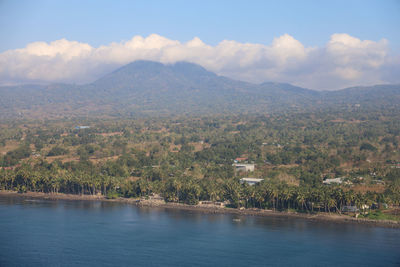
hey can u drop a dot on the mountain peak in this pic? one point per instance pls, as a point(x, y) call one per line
point(151, 88)
point(146, 65)
point(188, 66)
point(142, 74)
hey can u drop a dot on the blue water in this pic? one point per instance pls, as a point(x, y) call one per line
point(71, 233)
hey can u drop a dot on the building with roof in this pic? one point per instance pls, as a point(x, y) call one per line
point(82, 127)
point(242, 159)
point(349, 208)
point(251, 181)
point(338, 180)
point(244, 167)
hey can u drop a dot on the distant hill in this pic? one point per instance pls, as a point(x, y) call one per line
point(149, 88)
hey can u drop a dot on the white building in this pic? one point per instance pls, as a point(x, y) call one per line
point(81, 127)
point(251, 181)
point(244, 167)
point(333, 181)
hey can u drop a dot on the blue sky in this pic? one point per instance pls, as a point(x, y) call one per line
point(322, 45)
point(100, 22)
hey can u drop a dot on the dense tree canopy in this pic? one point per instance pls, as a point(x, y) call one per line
point(189, 159)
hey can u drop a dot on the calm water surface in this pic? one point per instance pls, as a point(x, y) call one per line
point(70, 233)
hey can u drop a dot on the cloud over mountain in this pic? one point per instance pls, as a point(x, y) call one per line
point(343, 61)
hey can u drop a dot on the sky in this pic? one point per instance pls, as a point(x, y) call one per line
point(322, 45)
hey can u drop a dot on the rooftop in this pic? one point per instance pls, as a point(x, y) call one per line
point(251, 180)
point(338, 180)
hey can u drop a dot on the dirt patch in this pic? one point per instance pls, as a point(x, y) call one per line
point(10, 145)
point(110, 134)
point(371, 188)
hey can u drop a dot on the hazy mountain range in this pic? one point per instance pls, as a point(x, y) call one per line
point(150, 88)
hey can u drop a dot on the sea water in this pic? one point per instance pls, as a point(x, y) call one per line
point(89, 233)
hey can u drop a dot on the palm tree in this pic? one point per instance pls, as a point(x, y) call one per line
point(232, 192)
point(259, 195)
point(330, 203)
point(274, 194)
point(339, 197)
point(350, 197)
point(359, 200)
point(301, 198)
point(288, 195)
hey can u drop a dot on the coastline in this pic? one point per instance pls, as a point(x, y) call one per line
point(208, 209)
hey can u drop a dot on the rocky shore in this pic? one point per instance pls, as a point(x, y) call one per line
point(211, 209)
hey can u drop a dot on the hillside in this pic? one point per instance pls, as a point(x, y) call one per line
point(150, 88)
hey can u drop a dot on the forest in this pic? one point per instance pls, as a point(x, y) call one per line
point(188, 159)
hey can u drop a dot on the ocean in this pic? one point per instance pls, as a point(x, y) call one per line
point(93, 233)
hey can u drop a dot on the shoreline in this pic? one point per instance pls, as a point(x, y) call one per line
point(207, 209)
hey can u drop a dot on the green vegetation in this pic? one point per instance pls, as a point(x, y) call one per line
point(14, 156)
point(189, 159)
point(112, 195)
point(381, 215)
point(57, 151)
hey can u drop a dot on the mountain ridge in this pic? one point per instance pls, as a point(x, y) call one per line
point(152, 88)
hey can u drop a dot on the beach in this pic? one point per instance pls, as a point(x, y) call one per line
point(332, 217)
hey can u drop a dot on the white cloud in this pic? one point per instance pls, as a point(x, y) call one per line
point(347, 73)
point(349, 50)
point(343, 61)
point(63, 48)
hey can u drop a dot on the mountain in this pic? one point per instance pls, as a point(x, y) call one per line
point(150, 88)
point(384, 94)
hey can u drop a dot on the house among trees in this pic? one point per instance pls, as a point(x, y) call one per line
point(338, 180)
point(81, 127)
point(242, 159)
point(244, 167)
point(350, 209)
point(251, 181)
